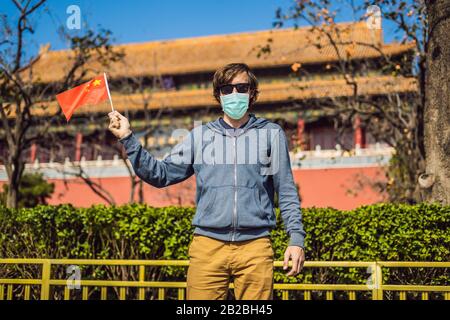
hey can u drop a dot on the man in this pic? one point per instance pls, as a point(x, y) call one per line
point(235, 191)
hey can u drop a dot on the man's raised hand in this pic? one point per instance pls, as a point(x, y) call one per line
point(118, 125)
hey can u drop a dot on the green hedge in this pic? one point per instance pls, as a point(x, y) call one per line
point(377, 232)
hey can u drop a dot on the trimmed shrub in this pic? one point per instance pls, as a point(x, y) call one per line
point(383, 232)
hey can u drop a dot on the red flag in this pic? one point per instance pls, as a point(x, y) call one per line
point(89, 93)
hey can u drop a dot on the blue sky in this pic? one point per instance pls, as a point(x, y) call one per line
point(147, 20)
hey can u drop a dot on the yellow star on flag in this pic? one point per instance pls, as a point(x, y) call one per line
point(97, 82)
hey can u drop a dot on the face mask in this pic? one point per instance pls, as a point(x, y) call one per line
point(235, 105)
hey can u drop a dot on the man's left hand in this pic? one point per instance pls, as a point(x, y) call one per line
point(297, 256)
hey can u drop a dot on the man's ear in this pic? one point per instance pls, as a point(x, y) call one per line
point(253, 96)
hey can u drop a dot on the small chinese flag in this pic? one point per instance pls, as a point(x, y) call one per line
point(89, 93)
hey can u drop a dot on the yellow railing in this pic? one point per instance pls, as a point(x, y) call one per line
point(374, 286)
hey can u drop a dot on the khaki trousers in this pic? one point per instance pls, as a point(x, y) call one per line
point(213, 263)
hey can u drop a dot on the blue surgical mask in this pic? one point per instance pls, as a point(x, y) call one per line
point(235, 105)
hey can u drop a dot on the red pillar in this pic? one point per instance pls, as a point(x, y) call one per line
point(300, 133)
point(78, 141)
point(359, 135)
point(33, 152)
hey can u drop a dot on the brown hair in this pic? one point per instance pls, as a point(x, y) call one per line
point(227, 73)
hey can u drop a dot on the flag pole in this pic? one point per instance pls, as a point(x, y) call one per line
point(107, 89)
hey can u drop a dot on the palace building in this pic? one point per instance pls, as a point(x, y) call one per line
point(162, 86)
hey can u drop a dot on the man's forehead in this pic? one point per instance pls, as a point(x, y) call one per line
point(240, 77)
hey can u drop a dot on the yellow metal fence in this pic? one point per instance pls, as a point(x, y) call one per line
point(13, 288)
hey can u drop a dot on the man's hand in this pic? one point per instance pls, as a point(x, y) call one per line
point(118, 125)
point(297, 255)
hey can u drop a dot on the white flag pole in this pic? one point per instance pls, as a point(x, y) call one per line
point(107, 89)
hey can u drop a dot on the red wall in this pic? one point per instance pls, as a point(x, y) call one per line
point(341, 188)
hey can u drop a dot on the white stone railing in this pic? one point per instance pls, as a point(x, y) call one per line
point(358, 157)
point(376, 150)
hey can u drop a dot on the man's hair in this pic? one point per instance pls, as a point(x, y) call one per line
point(227, 73)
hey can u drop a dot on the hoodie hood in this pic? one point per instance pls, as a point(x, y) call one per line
point(253, 122)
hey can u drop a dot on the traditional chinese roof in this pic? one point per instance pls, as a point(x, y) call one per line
point(206, 54)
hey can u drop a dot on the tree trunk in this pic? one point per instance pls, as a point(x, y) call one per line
point(13, 172)
point(11, 199)
point(436, 181)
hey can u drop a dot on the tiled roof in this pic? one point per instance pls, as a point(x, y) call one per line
point(206, 54)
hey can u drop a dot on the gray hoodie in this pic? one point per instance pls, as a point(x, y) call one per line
point(237, 174)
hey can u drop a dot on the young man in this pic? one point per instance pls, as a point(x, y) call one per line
point(240, 162)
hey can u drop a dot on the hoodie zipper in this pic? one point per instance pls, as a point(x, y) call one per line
point(235, 190)
point(234, 217)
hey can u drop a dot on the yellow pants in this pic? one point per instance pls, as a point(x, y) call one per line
point(213, 263)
